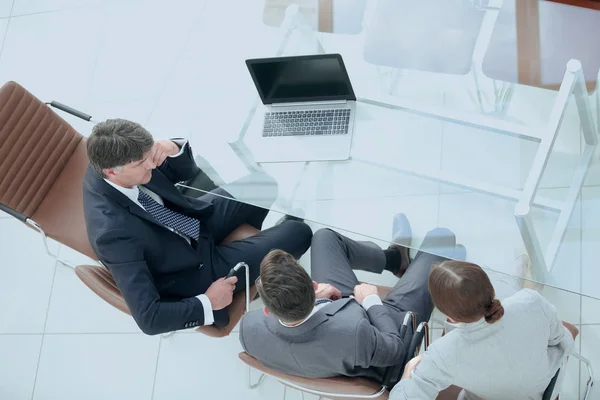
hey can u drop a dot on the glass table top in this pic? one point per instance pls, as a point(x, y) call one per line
point(456, 126)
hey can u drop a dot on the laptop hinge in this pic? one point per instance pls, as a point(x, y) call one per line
point(310, 103)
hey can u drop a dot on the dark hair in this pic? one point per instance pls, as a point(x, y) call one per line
point(285, 287)
point(463, 292)
point(116, 142)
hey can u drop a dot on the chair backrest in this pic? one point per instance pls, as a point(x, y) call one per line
point(42, 163)
point(345, 386)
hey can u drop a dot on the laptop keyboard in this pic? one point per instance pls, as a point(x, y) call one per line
point(303, 123)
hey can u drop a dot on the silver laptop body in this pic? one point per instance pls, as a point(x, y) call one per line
point(309, 108)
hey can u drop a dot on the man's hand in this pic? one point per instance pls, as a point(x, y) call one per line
point(363, 290)
point(411, 366)
point(220, 292)
point(161, 150)
point(327, 291)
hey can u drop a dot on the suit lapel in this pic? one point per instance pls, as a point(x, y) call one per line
point(102, 187)
point(163, 187)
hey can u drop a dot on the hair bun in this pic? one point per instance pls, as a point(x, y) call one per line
point(494, 312)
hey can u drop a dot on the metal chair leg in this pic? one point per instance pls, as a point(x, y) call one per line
point(257, 384)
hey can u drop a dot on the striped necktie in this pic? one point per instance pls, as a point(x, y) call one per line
point(318, 302)
point(181, 223)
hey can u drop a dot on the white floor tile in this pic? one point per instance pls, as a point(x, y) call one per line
point(565, 154)
point(566, 272)
point(5, 8)
point(373, 219)
point(137, 111)
point(24, 7)
point(476, 153)
point(89, 314)
point(190, 358)
point(17, 371)
point(570, 386)
point(590, 239)
point(590, 349)
point(133, 64)
point(486, 226)
point(27, 278)
point(208, 78)
point(53, 55)
point(119, 367)
point(590, 310)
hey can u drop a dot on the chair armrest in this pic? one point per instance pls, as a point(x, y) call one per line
point(71, 110)
point(13, 213)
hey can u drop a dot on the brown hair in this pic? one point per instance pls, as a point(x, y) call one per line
point(463, 292)
point(285, 287)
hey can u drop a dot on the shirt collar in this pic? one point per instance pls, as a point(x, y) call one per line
point(314, 310)
point(467, 325)
point(131, 193)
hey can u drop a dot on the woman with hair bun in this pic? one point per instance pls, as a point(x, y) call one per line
point(492, 350)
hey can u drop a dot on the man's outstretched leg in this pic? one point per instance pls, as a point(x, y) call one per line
point(292, 237)
point(335, 256)
point(411, 292)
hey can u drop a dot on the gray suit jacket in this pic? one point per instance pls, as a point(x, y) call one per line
point(339, 339)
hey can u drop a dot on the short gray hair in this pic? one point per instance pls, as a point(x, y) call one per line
point(116, 142)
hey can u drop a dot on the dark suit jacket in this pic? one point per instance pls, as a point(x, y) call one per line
point(156, 270)
point(339, 339)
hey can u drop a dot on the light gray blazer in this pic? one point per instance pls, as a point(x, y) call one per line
point(514, 358)
point(339, 339)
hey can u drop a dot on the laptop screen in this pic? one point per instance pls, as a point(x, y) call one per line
point(301, 79)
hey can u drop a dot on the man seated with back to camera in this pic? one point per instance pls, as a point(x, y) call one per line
point(162, 247)
point(314, 329)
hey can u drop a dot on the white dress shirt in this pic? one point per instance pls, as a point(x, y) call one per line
point(369, 301)
point(133, 193)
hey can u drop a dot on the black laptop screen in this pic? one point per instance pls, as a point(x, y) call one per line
point(301, 79)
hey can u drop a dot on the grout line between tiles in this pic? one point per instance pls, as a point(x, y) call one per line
point(37, 368)
point(156, 368)
point(580, 200)
point(50, 11)
point(6, 30)
point(184, 48)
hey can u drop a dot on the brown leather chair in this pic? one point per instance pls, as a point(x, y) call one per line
point(42, 163)
point(338, 388)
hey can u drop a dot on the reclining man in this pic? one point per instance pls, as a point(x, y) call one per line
point(163, 248)
point(315, 330)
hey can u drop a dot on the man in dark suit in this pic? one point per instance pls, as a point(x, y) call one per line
point(162, 247)
point(339, 326)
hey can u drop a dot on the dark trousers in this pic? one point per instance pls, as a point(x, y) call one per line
point(293, 237)
point(334, 257)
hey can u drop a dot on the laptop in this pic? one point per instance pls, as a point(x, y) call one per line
point(309, 108)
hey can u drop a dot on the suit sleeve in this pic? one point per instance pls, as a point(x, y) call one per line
point(429, 378)
point(378, 342)
point(123, 257)
point(182, 167)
